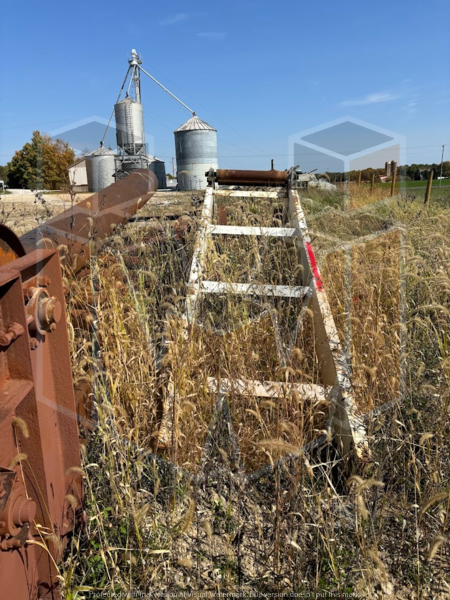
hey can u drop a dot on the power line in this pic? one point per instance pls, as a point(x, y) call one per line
point(208, 110)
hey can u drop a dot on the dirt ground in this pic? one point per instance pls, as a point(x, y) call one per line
point(22, 211)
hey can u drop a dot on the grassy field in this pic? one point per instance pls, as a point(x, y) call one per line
point(420, 184)
point(307, 525)
point(358, 196)
point(408, 184)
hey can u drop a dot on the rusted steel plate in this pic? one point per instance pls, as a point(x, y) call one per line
point(10, 246)
point(38, 427)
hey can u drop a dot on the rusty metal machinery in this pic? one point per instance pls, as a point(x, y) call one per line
point(40, 484)
point(83, 227)
point(272, 178)
point(40, 476)
point(249, 178)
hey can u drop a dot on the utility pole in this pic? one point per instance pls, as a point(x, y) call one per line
point(173, 166)
point(442, 163)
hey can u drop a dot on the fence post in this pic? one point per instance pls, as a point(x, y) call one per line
point(393, 183)
point(359, 177)
point(429, 184)
point(372, 183)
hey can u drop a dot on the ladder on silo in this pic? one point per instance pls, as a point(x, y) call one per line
point(343, 418)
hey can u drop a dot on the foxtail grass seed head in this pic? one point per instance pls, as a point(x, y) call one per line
point(72, 501)
point(21, 425)
point(435, 546)
point(75, 471)
point(189, 517)
point(21, 457)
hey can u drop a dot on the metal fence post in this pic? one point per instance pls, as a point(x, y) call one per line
point(428, 191)
point(393, 183)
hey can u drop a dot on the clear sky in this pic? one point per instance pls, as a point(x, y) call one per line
point(258, 71)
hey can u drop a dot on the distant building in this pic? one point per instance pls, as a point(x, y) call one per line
point(78, 175)
point(171, 183)
point(390, 167)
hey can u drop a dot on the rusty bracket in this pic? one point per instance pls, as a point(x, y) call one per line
point(16, 511)
point(12, 333)
point(43, 311)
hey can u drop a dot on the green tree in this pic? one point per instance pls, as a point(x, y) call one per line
point(445, 168)
point(4, 173)
point(41, 163)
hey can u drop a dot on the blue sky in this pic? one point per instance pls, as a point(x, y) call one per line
point(258, 71)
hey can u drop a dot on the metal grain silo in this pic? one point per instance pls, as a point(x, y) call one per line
point(100, 169)
point(196, 152)
point(158, 167)
point(129, 126)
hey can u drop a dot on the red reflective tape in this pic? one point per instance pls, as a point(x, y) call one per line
point(314, 267)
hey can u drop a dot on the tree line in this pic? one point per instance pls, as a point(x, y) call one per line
point(414, 172)
point(42, 163)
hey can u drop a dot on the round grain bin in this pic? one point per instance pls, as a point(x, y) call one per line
point(129, 126)
point(196, 152)
point(158, 167)
point(100, 169)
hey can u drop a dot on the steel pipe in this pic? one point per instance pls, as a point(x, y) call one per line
point(251, 178)
point(83, 227)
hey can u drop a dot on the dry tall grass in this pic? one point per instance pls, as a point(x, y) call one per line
point(302, 525)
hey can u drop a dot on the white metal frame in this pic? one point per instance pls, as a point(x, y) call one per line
point(343, 416)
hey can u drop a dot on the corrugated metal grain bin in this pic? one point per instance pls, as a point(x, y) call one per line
point(158, 167)
point(100, 169)
point(196, 152)
point(129, 126)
